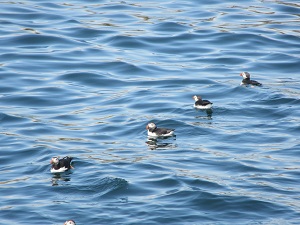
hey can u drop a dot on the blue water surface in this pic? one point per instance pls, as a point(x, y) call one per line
point(83, 78)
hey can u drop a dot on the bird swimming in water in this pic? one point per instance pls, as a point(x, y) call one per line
point(154, 131)
point(246, 79)
point(201, 104)
point(60, 165)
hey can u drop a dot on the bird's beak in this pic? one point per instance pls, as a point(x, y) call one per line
point(147, 128)
point(241, 74)
point(51, 161)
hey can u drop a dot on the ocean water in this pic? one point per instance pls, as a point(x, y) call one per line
point(83, 78)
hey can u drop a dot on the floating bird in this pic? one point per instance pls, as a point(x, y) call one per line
point(60, 165)
point(201, 104)
point(154, 131)
point(70, 222)
point(246, 79)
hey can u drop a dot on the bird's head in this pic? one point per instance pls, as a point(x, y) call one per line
point(245, 75)
point(54, 161)
point(70, 222)
point(197, 97)
point(150, 126)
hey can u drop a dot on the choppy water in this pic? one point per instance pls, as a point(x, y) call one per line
point(83, 78)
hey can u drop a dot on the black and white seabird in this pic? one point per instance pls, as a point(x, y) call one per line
point(154, 131)
point(70, 222)
point(246, 79)
point(201, 104)
point(60, 165)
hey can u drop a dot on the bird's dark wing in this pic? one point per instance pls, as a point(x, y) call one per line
point(246, 81)
point(206, 102)
point(161, 131)
point(65, 162)
point(202, 102)
point(254, 82)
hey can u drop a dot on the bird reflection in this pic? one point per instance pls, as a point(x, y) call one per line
point(60, 177)
point(208, 112)
point(162, 143)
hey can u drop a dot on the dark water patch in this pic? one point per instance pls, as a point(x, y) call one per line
point(90, 79)
point(288, 151)
point(127, 42)
point(39, 130)
point(31, 15)
point(117, 66)
point(69, 21)
point(164, 40)
point(121, 18)
point(163, 83)
point(93, 54)
point(169, 27)
point(51, 5)
point(203, 16)
point(40, 60)
point(225, 61)
point(276, 57)
point(10, 119)
point(289, 39)
point(215, 204)
point(289, 9)
point(32, 100)
point(16, 9)
point(277, 100)
point(93, 189)
point(202, 184)
point(85, 33)
point(120, 6)
point(31, 40)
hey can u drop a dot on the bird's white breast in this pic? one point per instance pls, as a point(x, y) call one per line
point(60, 170)
point(208, 106)
point(152, 134)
